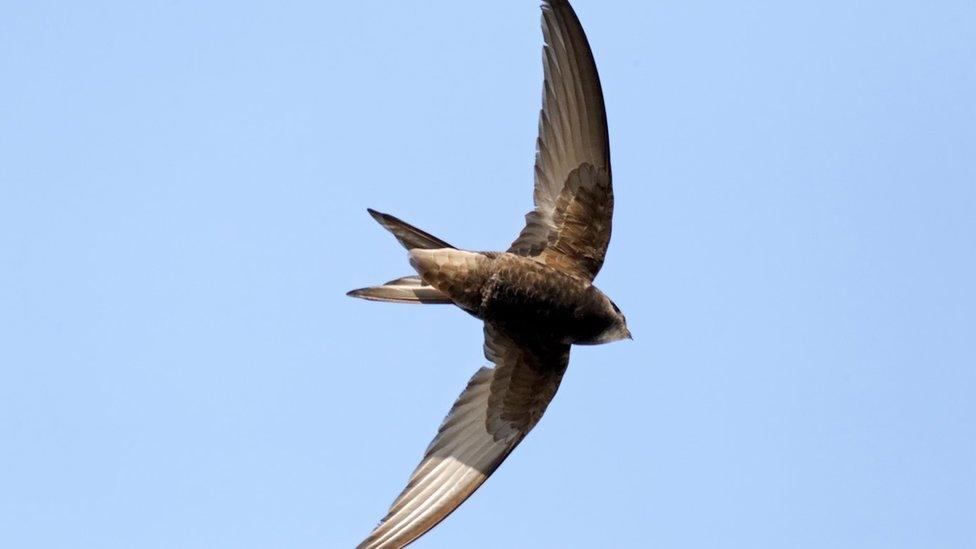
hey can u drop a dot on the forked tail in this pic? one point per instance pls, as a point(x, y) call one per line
point(409, 236)
point(408, 289)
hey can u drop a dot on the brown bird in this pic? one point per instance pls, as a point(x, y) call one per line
point(536, 299)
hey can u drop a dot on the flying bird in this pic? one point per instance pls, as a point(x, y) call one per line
point(536, 299)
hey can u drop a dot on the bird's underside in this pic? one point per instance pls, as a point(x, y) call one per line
point(536, 298)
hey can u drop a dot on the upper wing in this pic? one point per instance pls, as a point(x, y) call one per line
point(494, 413)
point(570, 226)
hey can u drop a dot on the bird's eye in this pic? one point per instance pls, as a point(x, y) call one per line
point(615, 308)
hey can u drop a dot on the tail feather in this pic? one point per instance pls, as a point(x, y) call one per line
point(409, 289)
point(409, 236)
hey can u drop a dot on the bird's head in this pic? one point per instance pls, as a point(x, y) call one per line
point(610, 324)
point(617, 329)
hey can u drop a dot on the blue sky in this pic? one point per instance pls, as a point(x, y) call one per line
point(182, 207)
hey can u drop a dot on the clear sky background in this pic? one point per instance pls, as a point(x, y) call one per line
point(182, 207)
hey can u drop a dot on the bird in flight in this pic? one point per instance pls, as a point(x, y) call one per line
point(536, 299)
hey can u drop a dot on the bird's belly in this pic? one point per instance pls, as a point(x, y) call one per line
point(534, 300)
point(527, 298)
point(520, 314)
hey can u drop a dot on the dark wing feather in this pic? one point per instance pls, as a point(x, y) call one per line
point(570, 226)
point(494, 413)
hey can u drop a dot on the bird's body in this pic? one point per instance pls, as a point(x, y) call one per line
point(536, 299)
point(518, 294)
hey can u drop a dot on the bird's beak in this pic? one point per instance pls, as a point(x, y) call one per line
point(629, 336)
